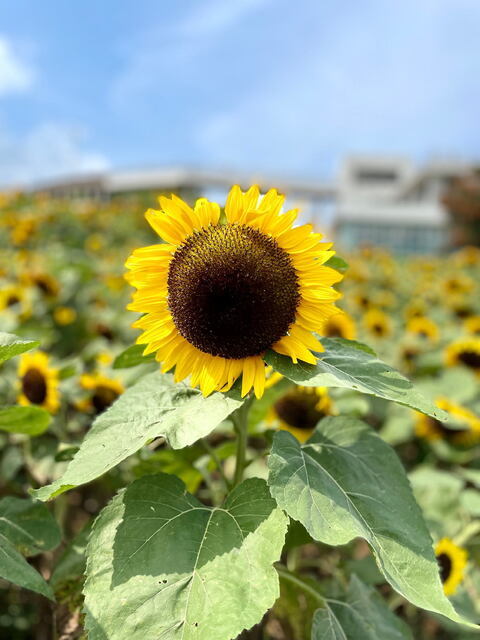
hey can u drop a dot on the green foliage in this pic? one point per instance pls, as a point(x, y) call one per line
point(31, 421)
point(162, 564)
point(348, 364)
point(361, 614)
point(346, 482)
point(132, 357)
point(155, 406)
point(28, 527)
point(11, 346)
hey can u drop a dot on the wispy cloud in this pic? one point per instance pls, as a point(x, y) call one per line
point(15, 74)
point(49, 150)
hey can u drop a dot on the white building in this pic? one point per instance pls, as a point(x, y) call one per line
point(376, 200)
point(386, 201)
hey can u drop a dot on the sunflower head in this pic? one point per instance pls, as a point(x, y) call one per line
point(103, 391)
point(38, 382)
point(472, 325)
point(64, 316)
point(423, 328)
point(216, 296)
point(464, 427)
point(340, 325)
point(377, 323)
point(452, 561)
point(464, 352)
point(300, 409)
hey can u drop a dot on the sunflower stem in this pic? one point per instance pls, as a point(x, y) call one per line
point(240, 423)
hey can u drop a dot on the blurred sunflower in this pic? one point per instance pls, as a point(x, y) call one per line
point(464, 352)
point(423, 328)
point(64, 316)
point(415, 309)
point(38, 382)
point(15, 297)
point(467, 431)
point(452, 561)
point(217, 296)
point(300, 409)
point(472, 325)
point(377, 323)
point(103, 392)
point(45, 283)
point(457, 284)
point(339, 325)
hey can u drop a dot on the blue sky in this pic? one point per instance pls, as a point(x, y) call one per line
point(261, 85)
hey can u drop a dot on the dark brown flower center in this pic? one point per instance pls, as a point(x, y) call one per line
point(470, 358)
point(299, 409)
point(34, 386)
point(450, 435)
point(333, 330)
point(12, 300)
point(445, 564)
point(103, 398)
point(378, 329)
point(232, 291)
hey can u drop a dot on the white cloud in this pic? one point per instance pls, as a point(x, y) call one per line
point(15, 74)
point(49, 151)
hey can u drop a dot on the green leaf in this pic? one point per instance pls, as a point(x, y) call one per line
point(345, 482)
point(71, 564)
point(345, 363)
point(160, 564)
point(11, 346)
point(31, 421)
point(338, 263)
point(14, 568)
point(132, 357)
point(363, 614)
point(28, 525)
point(155, 406)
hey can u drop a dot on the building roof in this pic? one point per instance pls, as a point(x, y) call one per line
point(400, 213)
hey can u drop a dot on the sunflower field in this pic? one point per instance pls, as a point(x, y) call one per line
point(285, 444)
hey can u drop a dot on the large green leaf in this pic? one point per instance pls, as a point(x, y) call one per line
point(155, 406)
point(345, 482)
point(14, 568)
point(31, 421)
point(160, 564)
point(363, 614)
point(346, 363)
point(11, 346)
point(28, 525)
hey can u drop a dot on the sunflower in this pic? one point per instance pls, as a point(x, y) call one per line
point(103, 392)
point(464, 352)
point(38, 381)
point(64, 315)
point(465, 432)
point(217, 295)
point(377, 323)
point(458, 284)
point(300, 409)
point(452, 561)
point(341, 325)
point(472, 325)
point(14, 297)
point(423, 328)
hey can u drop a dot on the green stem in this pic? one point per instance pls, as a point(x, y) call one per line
point(240, 422)
point(286, 575)
point(213, 454)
